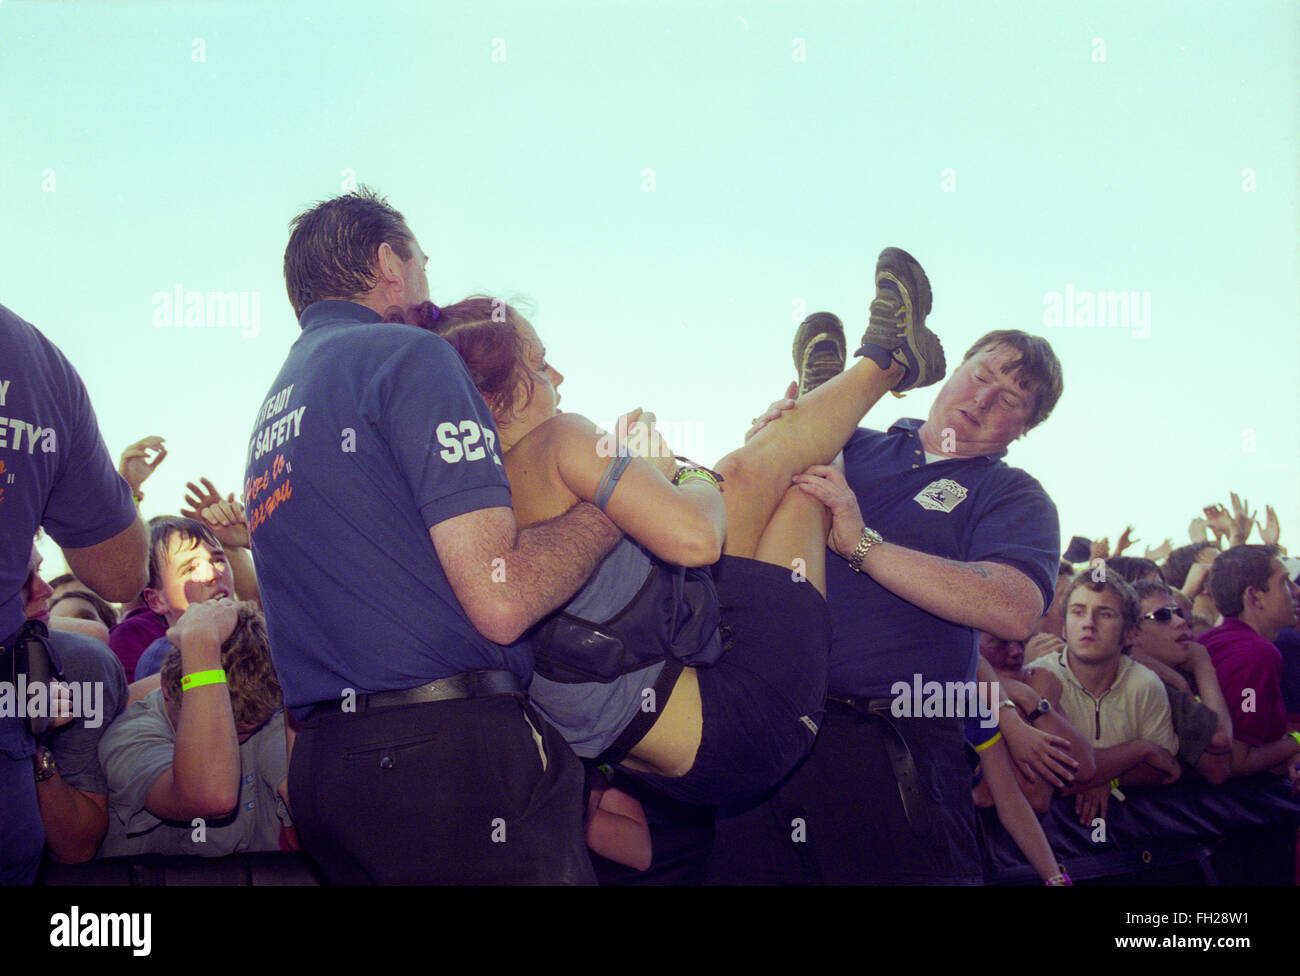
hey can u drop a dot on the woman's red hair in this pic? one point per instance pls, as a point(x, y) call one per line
point(484, 332)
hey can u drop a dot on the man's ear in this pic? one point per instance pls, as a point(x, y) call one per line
point(155, 602)
point(388, 264)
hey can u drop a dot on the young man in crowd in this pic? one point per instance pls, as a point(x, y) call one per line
point(1254, 592)
point(198, 766)
point(1202, 721)
point(186, 565)
point(1102, 691)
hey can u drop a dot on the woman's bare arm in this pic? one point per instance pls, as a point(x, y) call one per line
point(683, 525)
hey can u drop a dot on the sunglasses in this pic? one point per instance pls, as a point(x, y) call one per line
point(1165, 614)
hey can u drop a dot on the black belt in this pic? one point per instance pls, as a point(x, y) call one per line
point(900, 756)
point(467, 684)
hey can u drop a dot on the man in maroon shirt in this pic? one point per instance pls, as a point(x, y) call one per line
point(1253, 591)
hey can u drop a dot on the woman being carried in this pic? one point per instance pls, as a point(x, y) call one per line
point(706, 683)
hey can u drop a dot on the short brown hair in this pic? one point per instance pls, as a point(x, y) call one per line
point(103, 609)
point(1179, 562)
point(1134, 568)
point(246, 657)
point(1036, 364)
point(161, 530)
point(331, 251)
point(1145, 588)
point(1238, 568)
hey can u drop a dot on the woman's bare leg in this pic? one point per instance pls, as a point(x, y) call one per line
point(758, 474)
point(795, 539)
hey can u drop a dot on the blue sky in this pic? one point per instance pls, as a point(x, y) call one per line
point(672, 186)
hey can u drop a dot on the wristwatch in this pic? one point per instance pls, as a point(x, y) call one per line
point(43, 764)
point(870, 537)
point(1044, 706)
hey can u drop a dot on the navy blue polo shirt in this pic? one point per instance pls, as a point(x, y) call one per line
point(54, 468)
point(969, 509)
point(371, 434)
point(54, 471)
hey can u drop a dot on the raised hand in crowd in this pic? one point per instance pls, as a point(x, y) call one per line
point(1198, 530)
point(225, 517)
point(1243, 520)
point(1219, 520)
point(1126, 539)
point(1160, 552)
point(1197, 578)
point(135, 465)
point(1100, 549)
point(1270, 532)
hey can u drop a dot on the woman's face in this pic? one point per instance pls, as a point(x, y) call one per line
point(529, 412)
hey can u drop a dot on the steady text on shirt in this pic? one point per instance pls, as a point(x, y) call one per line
point(274, 426)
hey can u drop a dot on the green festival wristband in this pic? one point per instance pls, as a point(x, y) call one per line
point(691, 474)
point(198, 679)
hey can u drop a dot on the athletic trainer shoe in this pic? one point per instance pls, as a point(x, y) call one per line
point(897, 331)
point(818, 350)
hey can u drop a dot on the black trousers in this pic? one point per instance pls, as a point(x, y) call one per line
point(448, 792)
point(839, 817)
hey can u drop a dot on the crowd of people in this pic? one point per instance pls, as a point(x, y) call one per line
point(450, 634)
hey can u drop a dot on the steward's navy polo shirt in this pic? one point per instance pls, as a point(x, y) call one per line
point(54, 468)
point(371, 434)
point(968, 509)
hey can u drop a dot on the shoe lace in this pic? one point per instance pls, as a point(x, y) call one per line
point(888, 315)
point(888, 309)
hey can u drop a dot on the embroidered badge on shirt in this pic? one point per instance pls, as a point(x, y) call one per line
point(941, 496)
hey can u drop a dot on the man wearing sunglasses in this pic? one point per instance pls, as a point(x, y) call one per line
point(1202, 720)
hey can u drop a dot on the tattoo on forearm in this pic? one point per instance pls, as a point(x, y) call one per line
point(983, 572)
